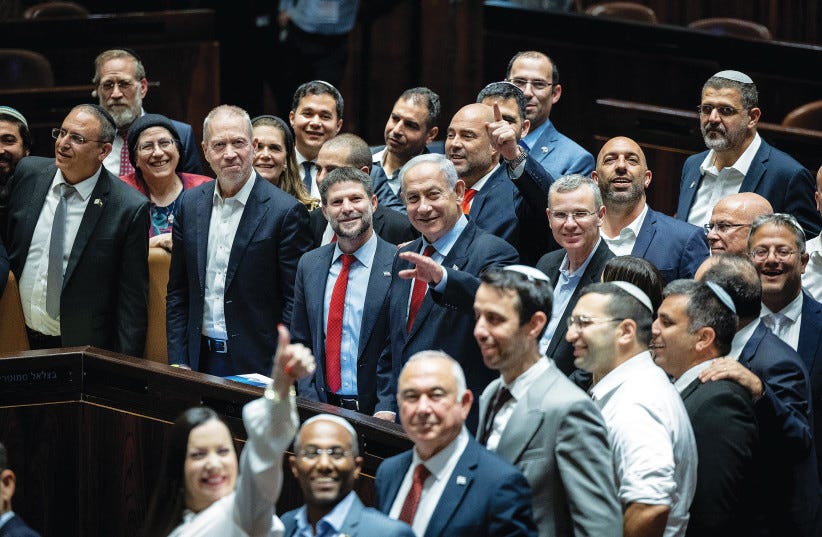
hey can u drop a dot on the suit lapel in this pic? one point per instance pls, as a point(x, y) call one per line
point(757, 169)
point(810, 330)
point(646, 235)
point(690, 389)
point(96, 204)
point(204, 206)
point(36, 201)
point(401, 289)
point(315, 302)
point(350, 525)
point(484, 194)
point(526, 418)
point(253, 214)
point(378, 282)
point(484, 403)
point(455, 490)
point(749, 350)
point(545, 144)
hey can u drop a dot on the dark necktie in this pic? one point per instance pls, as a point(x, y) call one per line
point(503, 396)
point(409, 507)
point(125, 164)
point(333, 330)
point(307, 165)
point(417, 294)
point(54, 282)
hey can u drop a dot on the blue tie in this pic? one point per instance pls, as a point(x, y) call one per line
point(307, 164)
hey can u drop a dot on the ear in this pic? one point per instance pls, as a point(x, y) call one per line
point(374, 203)
point(291, 118)
point(594, 175)
point(753, 117)
point(556, 94)
point(526, 128)
point(432, 134)
point(105, 149)
point(625, 331)
point(466, 402)
point(535, 324)
point(292, 461)
point(648, 177)
point(6, 490)
point(804, 261)
point(339, 126)
point(705, 338)
point(357, 467)
point(459, 189)
point(143, 88)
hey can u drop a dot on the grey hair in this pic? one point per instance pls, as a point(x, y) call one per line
point(782, 220)
point(456, 368)
point(748, 93)
point(571, 182)
point(228, 110)
point(445, 165)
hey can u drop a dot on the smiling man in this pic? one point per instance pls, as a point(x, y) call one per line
point(739, 160)
point(630, 226)
point(326, 464)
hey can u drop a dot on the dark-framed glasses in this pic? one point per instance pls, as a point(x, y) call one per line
point(536, 83)
point(724, 111)
point(781, 254)
point(584, 321)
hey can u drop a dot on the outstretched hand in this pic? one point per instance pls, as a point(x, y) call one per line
point(503, 137)
point(426, 269)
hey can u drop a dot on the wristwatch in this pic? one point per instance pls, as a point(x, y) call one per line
point(514, 164)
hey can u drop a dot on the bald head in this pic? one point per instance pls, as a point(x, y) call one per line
point(818, 193)
point(468, 145)
point(735, 213)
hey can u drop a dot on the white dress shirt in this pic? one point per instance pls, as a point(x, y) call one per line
point(812, 277)
point(225, 218)
point(789, 331)
point(34, 278)
point(623, 243)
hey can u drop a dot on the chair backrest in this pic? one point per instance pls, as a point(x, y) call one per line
point(55, 10)
point(631, 11)
point(159, 262)
point(807, 116)
point(732, 27)
point(13, 337)
point(20, 69)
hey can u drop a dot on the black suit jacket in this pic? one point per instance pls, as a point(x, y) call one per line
point(4, 267)
point(444, 321)
point(560, 350)
point(810, 350)
point(271, 237)
point(15, 527)
point(308, 327)
point(105, 286)
point(727, 442)
point(390, 225)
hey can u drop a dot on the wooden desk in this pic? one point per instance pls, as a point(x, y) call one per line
point(85, 431)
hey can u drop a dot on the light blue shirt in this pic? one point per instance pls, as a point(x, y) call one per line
point(329, 525)
point(5, 517)
point(566, 285)
point(326, 17)
point(358, 275)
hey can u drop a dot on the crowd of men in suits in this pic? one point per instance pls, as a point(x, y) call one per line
point(457, 291)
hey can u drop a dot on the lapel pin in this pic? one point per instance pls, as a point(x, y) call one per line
point(386, 273)
point(98, 202)
point(455, 267)
point(462, 480)
point(693, 184)
point(544, 149)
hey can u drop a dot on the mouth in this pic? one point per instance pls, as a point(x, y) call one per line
point(214, 481)
point(394, 142)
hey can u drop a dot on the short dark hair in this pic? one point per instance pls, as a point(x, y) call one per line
point(430, 99)
point(342, 175)
point(533, 295)
point(737, 274)
point(748, 93)
point(535, 55)
point(108, 128)
point(623, 305)
point(638, 271)
point(359, 154)
point(318, 87)
point(505, 91)
point(706, 309)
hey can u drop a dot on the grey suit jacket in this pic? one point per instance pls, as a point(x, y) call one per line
point(557, 438)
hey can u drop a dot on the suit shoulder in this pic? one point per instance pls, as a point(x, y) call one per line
point(374, 519)
point(495, 244)
point(781, 159)
point(550, 259)
point(678, 227)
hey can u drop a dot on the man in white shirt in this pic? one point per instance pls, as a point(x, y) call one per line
point(739, 160)
point(655, 455)
point(812, 277)
point(448, 484)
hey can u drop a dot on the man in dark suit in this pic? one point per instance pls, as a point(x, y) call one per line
point(575, 214)
point(11, 525)
point(77, 242)
point(411, 126)
point(448, 485)
point(631, 227)
point(695, 324)
point(777, 380)
point(326, 463)
point(357, 331)
point(237, 241)
point(506, 192)
point(739, 160)
point(352, 151)
point(537, 419)
point(4, 267)
point(15, 143)
point(434, 279)
point(121, 85)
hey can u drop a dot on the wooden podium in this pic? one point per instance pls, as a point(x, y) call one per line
point(85, 431)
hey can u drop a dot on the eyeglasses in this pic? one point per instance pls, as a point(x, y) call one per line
point(124, 85)
point(537, 84)
point(725, 111)
point(219, 147)
point(576, 216)
point(337, 453)
point(147, 148)
point(722, 227)
point(781, 254)
point(584, 321)
point(74, 139)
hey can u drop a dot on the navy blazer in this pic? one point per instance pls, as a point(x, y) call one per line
point(190, 161)
point(484, 496)
point(15, 527)
point(390, 225)
point(361, 521)
point(774, 175)
point(104, 301)
point(784, 416)
point(727, 443)
point(810, 350)
point(307, 325)
point(559, 155)
point(515, 209)
point(676, 248)
point(271, 237)
point(444, 321)
point(558, 349)
point(4, 267)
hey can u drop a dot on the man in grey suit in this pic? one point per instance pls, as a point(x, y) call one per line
point(326, 463)
point(537, 419)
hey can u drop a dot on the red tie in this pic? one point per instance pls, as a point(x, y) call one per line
point(125, 164)
point(466, 200)
point(409, 508)
point(417, 294)
point(333, 331)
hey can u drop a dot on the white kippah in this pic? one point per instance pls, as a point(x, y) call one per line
point(736, 76)
point(635, 292)
point(9, 111)
point(530, 272)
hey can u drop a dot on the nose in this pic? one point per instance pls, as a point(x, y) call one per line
point(572, 334)
point(480, 331)
point(212, 461)
point(315, 119)
point(655, 329)
point(713, 235)
point(714, 116)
